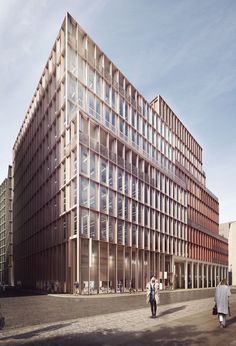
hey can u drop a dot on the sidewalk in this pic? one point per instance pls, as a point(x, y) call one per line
point(182, 324)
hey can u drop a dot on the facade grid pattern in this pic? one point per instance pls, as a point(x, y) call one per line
point(100, 193)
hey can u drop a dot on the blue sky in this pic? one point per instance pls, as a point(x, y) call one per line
point(184, 50)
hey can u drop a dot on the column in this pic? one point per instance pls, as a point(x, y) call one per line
point(207, 275)
point(172, 266)
point(108, 264)
point(186, 275)
point(198, 275)
point(192, 275)
point(211, 275)
point(123, 277)
point(164, 264)
point(143, 258)
point(158, 266)
point(148, 268)
point(115, 268)
point(90, 262)
point(154, 264)
point(136, 270)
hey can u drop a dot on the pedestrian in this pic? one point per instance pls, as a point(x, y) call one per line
point(222, 295)
point(153, 295)
point(131, 286)
point(76, 288)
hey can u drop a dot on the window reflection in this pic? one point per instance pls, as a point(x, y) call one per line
point(103, 199)
point(103, 171)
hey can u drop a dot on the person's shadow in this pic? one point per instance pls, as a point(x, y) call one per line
point(171, 311)
point(37, 332)
point(232, 320)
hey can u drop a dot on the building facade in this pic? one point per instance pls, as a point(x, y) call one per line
point(101, 194)
point(6, 237)
point(228, 230)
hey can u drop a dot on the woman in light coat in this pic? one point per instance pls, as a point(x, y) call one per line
point(153, 295)
point(222, 295)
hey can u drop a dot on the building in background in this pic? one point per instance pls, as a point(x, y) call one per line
point(6, 238)
point(108, 188)
point(228, 230)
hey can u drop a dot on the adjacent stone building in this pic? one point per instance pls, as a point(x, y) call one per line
point(228, 230)
point(6, 238)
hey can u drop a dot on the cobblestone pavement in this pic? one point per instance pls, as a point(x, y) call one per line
point(181, 323)
point(23, 310)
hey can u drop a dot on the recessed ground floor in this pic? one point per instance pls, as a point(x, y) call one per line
point(101, 267)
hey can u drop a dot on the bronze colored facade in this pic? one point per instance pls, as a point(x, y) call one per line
point(100, 195)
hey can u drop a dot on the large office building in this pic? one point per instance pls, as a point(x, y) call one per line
point(228, 230)
point(109, 189)
point(6, 237)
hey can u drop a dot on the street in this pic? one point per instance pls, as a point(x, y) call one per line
point(184, 318)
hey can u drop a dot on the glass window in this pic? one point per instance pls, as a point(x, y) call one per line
point(140, 238)
point(75, 221)
point(133, 118)
point(72, 89)
point(133, 136)
point(114, 99)
point(146, 237)
point(120, 181)
point(107, 93)
point(111, 202)
point(121, 109)
point(126, 111)
point(103, 171)
point(126, 208)
point(126, 183)
point(103, 199)
point(140, 191)
point(134, 193)
point(91, 103)
point(98, 85)
point(72, 61)
point(103, 227)
point(119, 205)
point(111, 175)
point(98, 107)
point(126, 130)
point(93, 195)
point(112, 229)
point(84, 183)
point(127, 235)
point(113, 119)
point(107, 115)
point(84, 156)
point(81, 95)
point(84, 217)
point(75, 191)
point(64, 199)
point(134, 213)
point(93, 224)
point(120, 226)
point(64, 230)
point(134, 236)
point(81, 69)
point(90, 78)
point(93, 165)
point(121, 126)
